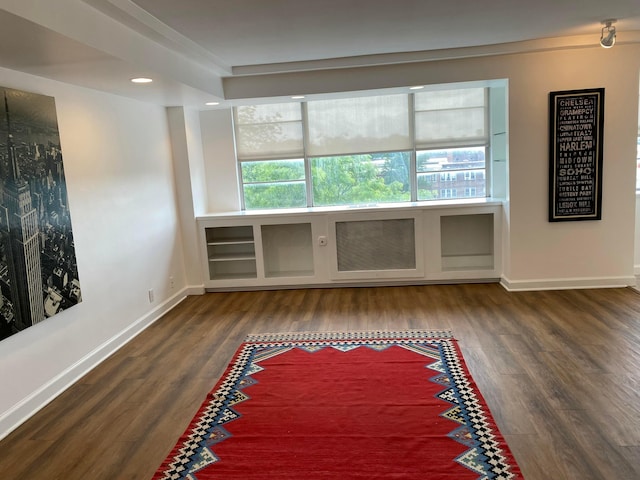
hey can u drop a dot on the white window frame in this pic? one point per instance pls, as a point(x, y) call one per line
point(413, 173)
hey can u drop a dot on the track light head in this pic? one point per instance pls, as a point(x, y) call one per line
point(608, 34)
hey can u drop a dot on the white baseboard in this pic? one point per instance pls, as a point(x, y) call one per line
point(30, 405)
point(566, 283)
point(195, 290)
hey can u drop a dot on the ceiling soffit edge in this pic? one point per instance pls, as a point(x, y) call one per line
point(528, 46)
point(142, 22)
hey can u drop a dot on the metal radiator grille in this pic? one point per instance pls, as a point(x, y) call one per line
point(376, 245)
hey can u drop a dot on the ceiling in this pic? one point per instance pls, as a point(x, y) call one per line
point(195, 49)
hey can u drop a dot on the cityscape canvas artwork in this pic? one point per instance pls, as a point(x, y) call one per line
point(38, 269)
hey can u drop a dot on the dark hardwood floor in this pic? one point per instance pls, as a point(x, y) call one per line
point(560, 371)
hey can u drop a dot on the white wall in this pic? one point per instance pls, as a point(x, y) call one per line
point(220, 164)
point(591, 252)
point(637, 239)
point(120, 182)
point(191, 193)
point(537, 254)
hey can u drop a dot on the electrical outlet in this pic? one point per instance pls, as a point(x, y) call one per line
point(322, 241)
point(151, 295)
point(172, 283)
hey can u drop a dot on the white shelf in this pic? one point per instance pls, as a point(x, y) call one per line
point(231, 257)
point(234, 276)
point(232, 241)
point(461, 263)
point(289, 274)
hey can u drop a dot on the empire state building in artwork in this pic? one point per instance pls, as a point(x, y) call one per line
point(20, 240)
point(38, 266)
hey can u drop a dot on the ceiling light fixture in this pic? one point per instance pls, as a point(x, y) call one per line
point(142, 80)
point(608, 35)
point(211, 104)
point(297, 97)
point(417, 87)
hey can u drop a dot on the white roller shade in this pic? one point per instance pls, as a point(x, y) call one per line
point(271, 131)
point(356, 125)
point(450, 116)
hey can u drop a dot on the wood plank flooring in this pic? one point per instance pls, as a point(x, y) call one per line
point(560, 371)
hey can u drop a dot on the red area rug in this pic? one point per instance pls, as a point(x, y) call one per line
point(348, 406)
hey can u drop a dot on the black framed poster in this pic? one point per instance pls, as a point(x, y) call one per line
point(576, 124)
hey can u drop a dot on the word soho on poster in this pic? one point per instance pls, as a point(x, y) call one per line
point(576, 121)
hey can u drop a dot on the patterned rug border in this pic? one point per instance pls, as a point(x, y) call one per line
point(348, 335)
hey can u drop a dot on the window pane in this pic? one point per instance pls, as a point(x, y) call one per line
point(450, 158)
point(272, 170)
point(274, 184)
point(275, 195)
point(451, 173)
point(267, 131)
point(361, 179)
point(355, 125)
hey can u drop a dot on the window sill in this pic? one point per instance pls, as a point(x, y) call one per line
point(382, 207)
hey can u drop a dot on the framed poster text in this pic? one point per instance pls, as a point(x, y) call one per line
point(576, 123)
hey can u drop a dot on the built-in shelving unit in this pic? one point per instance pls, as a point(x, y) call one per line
point(231, 252)
point(418, 243)
point(466, 242)
point(287, 250)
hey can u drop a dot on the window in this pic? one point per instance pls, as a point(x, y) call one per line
point(340, 135)
point(358, 125)
point(267, 136)
point(361, 179)
point(364, 150)
point(459, 168)
point(448, 193)
point(274, 184)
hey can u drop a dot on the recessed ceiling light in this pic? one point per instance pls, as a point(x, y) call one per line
point(211, 104)
point(297, 97)
point(417, 87)
point(142, 80)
